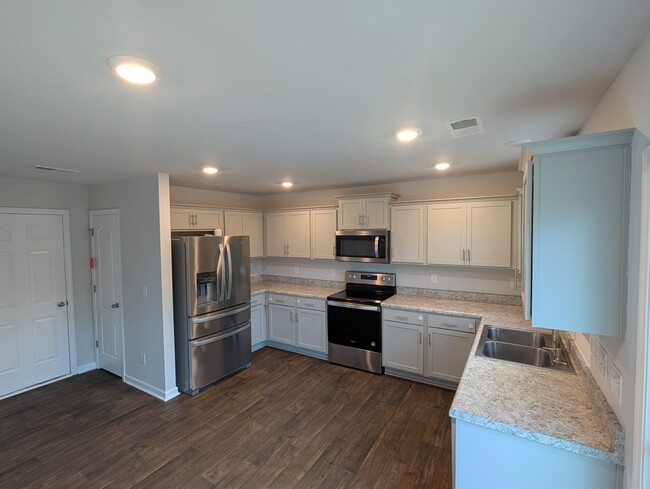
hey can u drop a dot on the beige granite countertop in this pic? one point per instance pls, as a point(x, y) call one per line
point(551, 407)
point(311, 291)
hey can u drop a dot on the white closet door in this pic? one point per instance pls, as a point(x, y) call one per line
point(34, 345)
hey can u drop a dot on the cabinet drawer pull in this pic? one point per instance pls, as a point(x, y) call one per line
point(450, 325)
point(403, 318)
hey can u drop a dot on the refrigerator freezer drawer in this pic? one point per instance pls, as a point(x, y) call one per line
point(217, 322)
point(213, 357)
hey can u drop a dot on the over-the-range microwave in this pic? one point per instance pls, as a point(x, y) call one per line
point(363, 245)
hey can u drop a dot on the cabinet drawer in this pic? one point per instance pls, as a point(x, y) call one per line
point(285, 300)
point(410, 317)
point(257, 299)
point(316, 304)
point(457, 323)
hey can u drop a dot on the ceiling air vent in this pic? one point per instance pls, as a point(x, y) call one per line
point(465, 127)
point(53, 168)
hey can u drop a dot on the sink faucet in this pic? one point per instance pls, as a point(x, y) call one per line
point(556, 344)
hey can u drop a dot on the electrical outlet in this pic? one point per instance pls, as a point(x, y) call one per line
point(601, 361)
point(616, 384)
point(296, 270)
point(143, 359)
point(145, 291)
point(434, 278)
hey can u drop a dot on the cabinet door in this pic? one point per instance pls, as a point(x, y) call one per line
point(323, 234)
point(350, 214)
point(489, 228)
point(258, 326)
point(181, 219)
point(311, 330)
point(402, 348)
point(448, 352)
point(298, 234)
point(275, 234)
point(234, 223)
point(209, 220)
point(407, 234)
point(376, 214)
point(579, 270)
point(446, 234)
point(281, 324)
point(253, 227)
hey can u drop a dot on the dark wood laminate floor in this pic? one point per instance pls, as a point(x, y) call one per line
point(287, 422)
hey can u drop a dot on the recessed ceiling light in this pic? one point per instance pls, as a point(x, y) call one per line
point(517, 143)
point(287, 184)
point(134, 70)
point(407, 135)
point(442, 166)
point(210, 170)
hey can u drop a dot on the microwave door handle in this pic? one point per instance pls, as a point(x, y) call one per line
point(229, 254)
point(376, 246)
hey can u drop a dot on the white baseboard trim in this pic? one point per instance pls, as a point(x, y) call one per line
point(151, 390)
point(82, 369)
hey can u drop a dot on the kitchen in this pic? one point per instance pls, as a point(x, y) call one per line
point(145, 225)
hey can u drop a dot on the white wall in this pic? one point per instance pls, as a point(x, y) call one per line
point(15, 192)
point(489, 184)
point(146, 262)
point(197, 196)
point(627, 104)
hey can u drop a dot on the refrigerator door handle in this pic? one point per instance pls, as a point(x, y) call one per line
point(220, 275)
point(218, 315)
point(229, 254)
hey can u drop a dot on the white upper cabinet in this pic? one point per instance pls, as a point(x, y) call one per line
point(323, 234)
point(407, 235)
point(580, 200)
point(489, 238)
point(365, 212)
point(245, 223)
point(470, 233)
point(197, 219)
point(288, 234)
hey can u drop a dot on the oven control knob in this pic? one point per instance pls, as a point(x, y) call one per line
point(373, 344)
point(354, 276)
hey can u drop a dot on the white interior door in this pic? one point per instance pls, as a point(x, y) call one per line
point(107, 282)
point(34, 343)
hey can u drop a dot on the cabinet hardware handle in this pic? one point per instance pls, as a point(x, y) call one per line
point(463, 256)
point(429, 339)
point(449, 325)
point(291, 316)
point(359, 219)
point(469, 260)
point(420, 337)
point(115, 306)
point(60, 304)
point(403, 318)
point(333, 250)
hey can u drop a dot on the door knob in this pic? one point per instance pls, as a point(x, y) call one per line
point(115, 306)
point(60, 304)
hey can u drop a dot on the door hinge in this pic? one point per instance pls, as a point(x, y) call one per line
point(92, 232)
point(96, 343)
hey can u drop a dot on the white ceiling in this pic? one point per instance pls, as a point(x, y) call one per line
point(299, 89)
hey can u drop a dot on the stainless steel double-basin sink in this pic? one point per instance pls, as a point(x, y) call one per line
point(524, 347)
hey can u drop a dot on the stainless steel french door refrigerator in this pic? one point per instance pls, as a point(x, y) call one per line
point(211, 277)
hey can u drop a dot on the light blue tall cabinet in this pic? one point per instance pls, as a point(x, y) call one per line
point(576, 194)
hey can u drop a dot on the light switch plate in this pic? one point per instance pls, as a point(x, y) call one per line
point(616, 384)
point(601, 361)
point(434, 278)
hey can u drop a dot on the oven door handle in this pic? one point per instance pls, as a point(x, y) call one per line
point(351, 305)
point(376, 246)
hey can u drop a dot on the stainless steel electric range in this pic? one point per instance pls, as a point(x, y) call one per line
point(354, 320)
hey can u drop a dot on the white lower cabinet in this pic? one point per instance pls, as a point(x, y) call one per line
point(403, 347)
point(258, 321)
point(297, 322)
point(442, 356)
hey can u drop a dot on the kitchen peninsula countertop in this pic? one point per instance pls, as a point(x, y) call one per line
point(550, 407)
